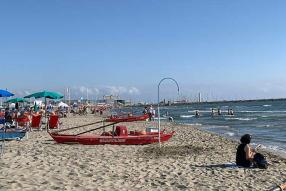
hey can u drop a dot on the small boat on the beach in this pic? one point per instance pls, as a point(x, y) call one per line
point(127, 118)
point(12, 134)
point(119, 137)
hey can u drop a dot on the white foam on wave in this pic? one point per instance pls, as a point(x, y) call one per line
point(229, 134)
point(262, 111)
point(267, 105)
point(241, 119)
point(217, 126)
point(194, 124)
point(161, 118)
point(272, 148)
point(200, 111)
point(186, 116)
point(264, 125)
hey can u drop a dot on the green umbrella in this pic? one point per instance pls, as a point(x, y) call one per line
point(45, 94)
point(16, 100)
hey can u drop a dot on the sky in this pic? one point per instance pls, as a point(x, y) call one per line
point(224, 49)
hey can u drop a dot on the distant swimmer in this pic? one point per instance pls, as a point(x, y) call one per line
point(213, 112)
point(197, 114)
point(231, 112)
point(219, 111)
point(171, 119)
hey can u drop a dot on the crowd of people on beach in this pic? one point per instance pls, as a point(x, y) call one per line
point(151, 112)
point(10, 113)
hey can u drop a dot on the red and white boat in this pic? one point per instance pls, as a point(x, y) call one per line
point(119, 137)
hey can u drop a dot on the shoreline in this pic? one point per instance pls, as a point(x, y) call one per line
point(277, 153)
point(192, 159)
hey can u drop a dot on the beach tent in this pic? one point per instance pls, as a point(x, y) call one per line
point(62, 104)
point(45, 94)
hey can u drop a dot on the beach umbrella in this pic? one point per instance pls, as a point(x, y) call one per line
point(45, 94)
point(16, 100)
point(5, 93)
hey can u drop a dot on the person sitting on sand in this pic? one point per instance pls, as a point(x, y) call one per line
point(8, 116)
point(245, 154)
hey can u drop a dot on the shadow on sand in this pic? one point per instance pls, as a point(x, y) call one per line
point(175, 151)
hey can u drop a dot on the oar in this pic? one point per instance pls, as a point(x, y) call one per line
point(96, 128)
point(61, 130)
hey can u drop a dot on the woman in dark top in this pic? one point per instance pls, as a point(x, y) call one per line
point(244, 153)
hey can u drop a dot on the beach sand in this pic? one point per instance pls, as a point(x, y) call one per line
point(190, 160)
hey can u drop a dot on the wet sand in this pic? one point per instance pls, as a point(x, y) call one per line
point(191, 160)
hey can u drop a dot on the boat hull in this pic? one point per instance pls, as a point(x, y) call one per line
point(127, 118)
point(63, 138)
point(113, 140)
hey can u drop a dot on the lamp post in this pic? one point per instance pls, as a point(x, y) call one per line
point(159, 124)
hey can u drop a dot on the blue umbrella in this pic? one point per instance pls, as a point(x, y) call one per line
point(4, 93)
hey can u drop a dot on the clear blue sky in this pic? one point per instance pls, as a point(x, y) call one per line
point(224, 49)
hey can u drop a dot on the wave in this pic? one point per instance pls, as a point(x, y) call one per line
point(262, 111)
point(186, 116)
point(240, 119)
point(217, 126)
point(229, 134)
point(267, 105)
point(200, 111)
point(266, 125)
point(275, 148)
point(194, 124)
point(161, 118)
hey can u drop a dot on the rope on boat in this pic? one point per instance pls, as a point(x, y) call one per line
point(97, 128)
point(61, 130)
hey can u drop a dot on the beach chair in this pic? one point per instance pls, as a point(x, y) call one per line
point(53, 122)
point(36, 122)
point(22, 122)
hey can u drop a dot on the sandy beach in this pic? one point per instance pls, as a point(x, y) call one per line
point(190, 160)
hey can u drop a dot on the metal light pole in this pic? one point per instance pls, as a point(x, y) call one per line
point(159, 124)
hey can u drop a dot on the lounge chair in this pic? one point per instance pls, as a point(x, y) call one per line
point(22, 122)
point(53, 122)
point(36, 122)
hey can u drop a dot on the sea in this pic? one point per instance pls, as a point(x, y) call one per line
point(265, 120)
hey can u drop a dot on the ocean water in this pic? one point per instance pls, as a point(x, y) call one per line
point(264, 120)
